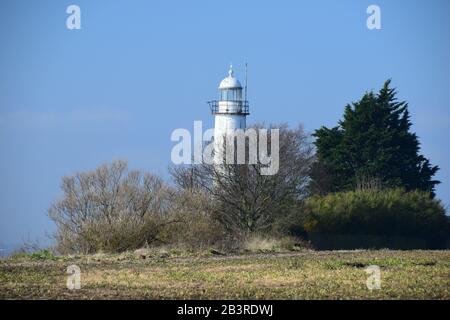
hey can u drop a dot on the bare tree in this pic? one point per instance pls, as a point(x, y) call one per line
point(110, 209)
point(244, 200)
point(186, 177)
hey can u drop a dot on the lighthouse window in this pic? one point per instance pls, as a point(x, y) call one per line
point(239, 94)
point(226, 95)
point(233, 94)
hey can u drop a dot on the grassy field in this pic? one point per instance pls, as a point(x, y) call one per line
point(179, 275)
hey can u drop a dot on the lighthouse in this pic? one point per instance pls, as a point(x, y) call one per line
point(230, 112)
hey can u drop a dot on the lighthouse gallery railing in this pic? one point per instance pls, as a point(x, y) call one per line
point(236, 106)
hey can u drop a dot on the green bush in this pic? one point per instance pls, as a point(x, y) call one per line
point(391, 212)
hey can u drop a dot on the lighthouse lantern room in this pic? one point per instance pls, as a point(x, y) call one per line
point(229, 111)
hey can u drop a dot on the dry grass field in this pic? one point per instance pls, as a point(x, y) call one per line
point(174, 274)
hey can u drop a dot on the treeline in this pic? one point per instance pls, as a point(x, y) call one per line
point(363, 179)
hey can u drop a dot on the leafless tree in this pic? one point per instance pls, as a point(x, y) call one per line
point(242, 199)
point(110, 209)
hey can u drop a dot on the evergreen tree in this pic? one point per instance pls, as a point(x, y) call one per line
point(372, 142)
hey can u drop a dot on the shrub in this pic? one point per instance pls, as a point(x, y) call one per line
point(113, 209)
point(391, 212)
point(194, 226)
point(110, 209)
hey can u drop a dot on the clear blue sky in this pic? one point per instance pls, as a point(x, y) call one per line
point(117, 88)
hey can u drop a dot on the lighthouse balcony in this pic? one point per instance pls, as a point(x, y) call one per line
point(229, 107)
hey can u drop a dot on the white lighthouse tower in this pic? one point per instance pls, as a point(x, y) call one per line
point(230, 112)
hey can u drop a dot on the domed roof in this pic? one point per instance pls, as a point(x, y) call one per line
point(230, 82)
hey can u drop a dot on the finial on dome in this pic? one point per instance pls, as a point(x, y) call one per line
point(230, 71)
point(230, 82)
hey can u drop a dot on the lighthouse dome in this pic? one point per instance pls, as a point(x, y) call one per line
point(230, 82)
